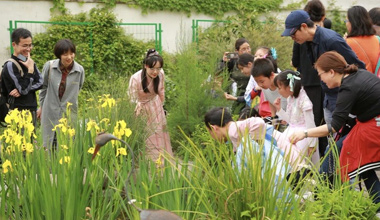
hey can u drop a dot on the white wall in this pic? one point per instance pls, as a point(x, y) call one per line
point(174, 25)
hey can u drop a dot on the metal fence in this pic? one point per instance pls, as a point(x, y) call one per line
point(139, 31)
point(203, 24)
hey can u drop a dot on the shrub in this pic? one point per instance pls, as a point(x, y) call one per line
point(102, 46)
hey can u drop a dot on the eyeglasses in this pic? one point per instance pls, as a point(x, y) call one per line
point(26, 46)
point(345, 21)
point(293, 32)
point(320, 73)
point(156, 69)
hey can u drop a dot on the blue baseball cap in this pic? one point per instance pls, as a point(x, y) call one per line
point(294, 21)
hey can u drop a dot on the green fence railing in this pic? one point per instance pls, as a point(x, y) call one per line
point(140, 31)
point(197, 24)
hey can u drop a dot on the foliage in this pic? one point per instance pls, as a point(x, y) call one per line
point(216, 8)
point(221, 37)
point(337, 17)
point(194, 93)
point(102, 46)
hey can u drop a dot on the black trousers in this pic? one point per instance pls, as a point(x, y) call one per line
point(316, 96)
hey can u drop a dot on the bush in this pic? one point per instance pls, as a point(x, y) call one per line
point(102, 46)
point(222, 37)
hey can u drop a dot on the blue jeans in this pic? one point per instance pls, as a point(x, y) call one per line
point(328, 165)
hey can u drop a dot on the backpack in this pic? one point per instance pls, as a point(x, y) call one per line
point(4, 104)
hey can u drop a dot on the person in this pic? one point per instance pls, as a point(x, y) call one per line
point(220, 125)
point(309, 77)
point(20, 77)
point(63, 80)
point(302, 29)
point(263, 73)
point(266, 52)
point(361, 37)
point(147, 90)
point(277, 152)
point(374, 13)
point(237, 80)
point(245, 64)
point(299, 111)
point(359, 94)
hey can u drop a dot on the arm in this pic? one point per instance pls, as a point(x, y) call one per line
point(309, 118)
point(320, 131)
point(38, 80)
point(251, 85)
point(161, 88)
point(283, 115)
point(256, 127)
point(296, 55)
point(345, 50)
point(82, 78)
point(22, 84)
point(45, 73)
point(133, 89)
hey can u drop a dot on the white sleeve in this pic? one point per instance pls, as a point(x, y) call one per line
point(251, 84)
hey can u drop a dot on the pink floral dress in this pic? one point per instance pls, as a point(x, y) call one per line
point(150, 105)
point(299, 115)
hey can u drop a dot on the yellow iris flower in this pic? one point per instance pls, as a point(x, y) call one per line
point(7, 166)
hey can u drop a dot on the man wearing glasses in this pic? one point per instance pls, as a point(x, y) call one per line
point(302, 29)
point(20, 78)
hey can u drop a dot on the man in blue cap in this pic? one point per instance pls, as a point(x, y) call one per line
point(302, 29)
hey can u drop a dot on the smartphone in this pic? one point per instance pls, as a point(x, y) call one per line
point(22, 57)
point(232, 56)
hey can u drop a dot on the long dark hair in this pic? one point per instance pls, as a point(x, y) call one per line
point(152, 57)
point(361, 23)
point(283, 79)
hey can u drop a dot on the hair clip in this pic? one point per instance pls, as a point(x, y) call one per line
point(291, 79)
point(152, 52)
point(274, 53)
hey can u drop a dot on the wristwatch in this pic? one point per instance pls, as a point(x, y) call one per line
point(305, 132)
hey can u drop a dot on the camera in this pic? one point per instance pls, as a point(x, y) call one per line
point(232, 55)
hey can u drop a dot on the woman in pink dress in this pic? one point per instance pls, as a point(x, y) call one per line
point(147, 90)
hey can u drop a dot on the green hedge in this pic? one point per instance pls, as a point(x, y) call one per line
point(113, 51)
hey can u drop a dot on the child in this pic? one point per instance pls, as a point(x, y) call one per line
point(263, 73)
point(299, 111)
point(285, 159)
point(245, 64)
point(222, 128)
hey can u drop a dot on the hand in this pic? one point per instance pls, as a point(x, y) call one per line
point(277, 104)
point(14, 93)
point(229, 97)
point(225, 59)
point(138, 109)
point(39, 111)
point(310, 151)
point(258, 88)
point(296, 136)
point(29, 63)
